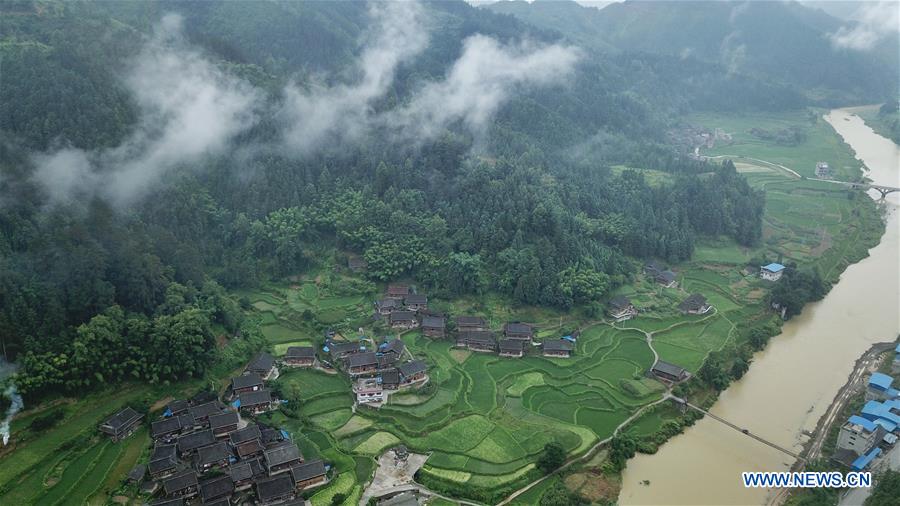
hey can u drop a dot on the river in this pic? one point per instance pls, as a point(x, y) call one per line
point(792, 382)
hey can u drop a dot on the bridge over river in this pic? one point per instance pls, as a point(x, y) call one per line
point(882, 189)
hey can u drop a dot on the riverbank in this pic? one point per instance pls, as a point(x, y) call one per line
point(786, 391)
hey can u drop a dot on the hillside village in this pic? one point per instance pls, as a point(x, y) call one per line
point(212, 450)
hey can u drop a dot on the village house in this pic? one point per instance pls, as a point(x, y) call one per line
point(403, 320)
point(361, 363)
point(390, 379)
point(212, 456)
point(300, 356)
point(387, 306)
point(369, 391)
point(415, 302)
point(182, 484)
point(168, 501)
point(621, 309)
point(859, 435)
point(163, 461)
point(477, 340)
point(695, 304)
point(190, 443)
point(263, 365)
point(216, 488)
point(401, 499)
point(412, 371)
point(433, 326)
point(281, 458)
point(247, 441)
point(823, 170)
point(560, 348)
point(469, 323)
point(513, 330)
point(397, 292)
point(177, 407)
point(274, 490)
point(386, 361)
point(309, 474)
point(167, 429)
point(668, 372)
point(392, 349)
point(771, 272)
point(512, 348)
point(255, 402)
point(122, 424)
point(242, 473)
point(270, 435)
point(202, 412)
point(223, 423)
point(339, 350)
point(660, 274)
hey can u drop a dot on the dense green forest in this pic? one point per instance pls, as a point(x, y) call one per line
point(524, 204)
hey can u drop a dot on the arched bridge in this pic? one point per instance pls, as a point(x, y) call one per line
point(884, 190)
point(746, 432)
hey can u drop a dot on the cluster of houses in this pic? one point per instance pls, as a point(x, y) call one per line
point(621, 308)
point(864, 437)
point(206, 452)
point(402, 309)
point(388, 366)
point(472, 333)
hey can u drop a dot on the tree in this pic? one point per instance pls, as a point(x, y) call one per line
point(559, 495)
point(553, 456)
point(338, 499)
point(886, 491)
point(621, 448)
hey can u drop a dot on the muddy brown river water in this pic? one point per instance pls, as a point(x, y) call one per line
point(791, 382)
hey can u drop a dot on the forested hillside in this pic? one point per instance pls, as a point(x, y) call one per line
point(787, 42)
point(154, 153)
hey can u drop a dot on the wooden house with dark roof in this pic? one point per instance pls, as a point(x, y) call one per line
point(340, 349)
point(309, 474)
point(398, 292)
point(216, 488)
point(560, 348)
point(274, 490)
point(470, 323)
point(385, 307)
point(256, 402)
point(177, 407)
point(246, 383)
point(477, 340)
point(263, 365)
point(247, 441)
point(515, 330)
point(223, 423)
point(202, 412)
point(281, 458)
point(168, 501)
point(514, 348)
point(434, 326)
point(621, 309)
point(403, 320)
point(190, 443)
point(666, 279)
point(163, 461)
point(168, 429)
point(695, 304)
point(415, 302)
point(243, 472)
point(271, 437)
point(395, 347)
point(361, 363)
point(412, 371)
point(300, 356)
point(390, 379)
point(212, 457)
point(669, 372)
point(122, 424)
point(181, 484)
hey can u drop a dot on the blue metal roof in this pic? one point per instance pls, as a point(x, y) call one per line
point(863, 461)
point(897, 349)
point(880, 381)
point(887, 424)
point(873, 410)
point(774, 267)
point(893, 393)
point(869, 425)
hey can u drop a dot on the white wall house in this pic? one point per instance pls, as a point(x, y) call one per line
point(771, 272)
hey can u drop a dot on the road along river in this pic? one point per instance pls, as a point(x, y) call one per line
point(791, 382)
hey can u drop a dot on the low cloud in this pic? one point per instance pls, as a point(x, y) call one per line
point(343, 112)
point(189, 109)
point(479, 82)
point(875, 21)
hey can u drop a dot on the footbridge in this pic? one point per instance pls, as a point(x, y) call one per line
point(882, 189)
point(742, 430)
